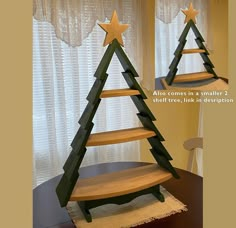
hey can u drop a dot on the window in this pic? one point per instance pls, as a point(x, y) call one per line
point(168, 30)
point(62, 78)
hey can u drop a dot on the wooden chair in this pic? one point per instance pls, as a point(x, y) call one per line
point(190, 145)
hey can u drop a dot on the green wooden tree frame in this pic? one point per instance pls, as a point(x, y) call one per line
point(72, 164)
point(170, 78)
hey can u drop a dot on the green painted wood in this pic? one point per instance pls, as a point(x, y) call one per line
point(159, 195)
point(124, 60)
point(196, 31)
point(133, 84)
point(175, 62)
point(105, 62)
point(65, 188)
point(201, 46)
point(164, 163)
point(185, 32)
point(210, 70)
point(78, 144)
point(158, 147)
point(85, 206)
point(96, 90)
point(75, 162)
point(147, 123)
point(180, 48)
point(70, 177)
point(88, 114)
point(171, 76)
point(71, 157)
point(206, 59)
point(81, 137)
point(207, 62)
point(142, 107)
point(85, 211)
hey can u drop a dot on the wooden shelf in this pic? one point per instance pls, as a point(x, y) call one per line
point(218, 84)
point(192, 77)
point(113, 137)
point(192, 51)
point(119, 183)
point(119, 93)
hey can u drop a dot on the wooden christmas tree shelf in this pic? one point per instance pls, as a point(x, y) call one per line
point(119, 93)
point(195, 81)
point(119, 136)
point(119, 183)
point(192, 77)
point(119, 187)
point(193, 51)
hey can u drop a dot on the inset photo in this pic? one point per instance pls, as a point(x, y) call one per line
point(191, 47)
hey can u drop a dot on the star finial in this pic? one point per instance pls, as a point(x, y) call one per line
point(113, 30)
point(190, 13)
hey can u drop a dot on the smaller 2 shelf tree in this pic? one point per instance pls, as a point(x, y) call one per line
point(103, 189)
point(198, 78)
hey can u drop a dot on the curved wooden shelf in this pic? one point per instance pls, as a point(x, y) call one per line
point(192, 51)
point(218, 84)
point(192, 77)
point(119, 183)
point(119, 93)
point(113, 137)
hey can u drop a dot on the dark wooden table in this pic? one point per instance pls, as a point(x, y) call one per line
point(188, 189)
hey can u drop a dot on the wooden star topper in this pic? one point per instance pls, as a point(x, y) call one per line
point(190, 13)
point(113, 30)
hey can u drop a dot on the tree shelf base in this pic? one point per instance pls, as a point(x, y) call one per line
point(212, 84)
point(192, 77)
point(85, 206)
point(119, 187)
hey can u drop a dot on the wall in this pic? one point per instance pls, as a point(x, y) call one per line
point(218, 23)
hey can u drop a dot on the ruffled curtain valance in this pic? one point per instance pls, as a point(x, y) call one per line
point(167, 10)
point(73, 20)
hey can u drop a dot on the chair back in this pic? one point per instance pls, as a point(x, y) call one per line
point(190, 145)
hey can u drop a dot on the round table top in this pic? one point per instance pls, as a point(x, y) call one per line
point(188, 189)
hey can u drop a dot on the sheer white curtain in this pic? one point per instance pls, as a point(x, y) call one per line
point(73, 20)
point(63, 67)
point(169, 25)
